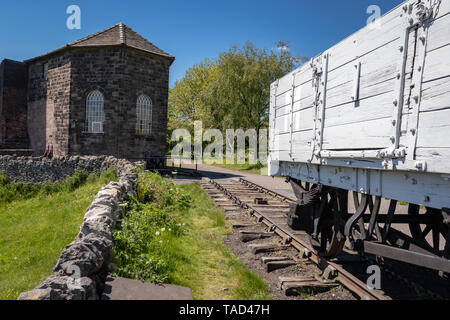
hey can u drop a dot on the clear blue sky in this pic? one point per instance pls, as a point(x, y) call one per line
point(189, 30)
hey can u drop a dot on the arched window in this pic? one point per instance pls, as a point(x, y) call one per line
point(144, 115)
point(95, 115)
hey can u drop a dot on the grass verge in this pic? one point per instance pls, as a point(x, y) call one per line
point(250, 168)
point(34, 231)
point(174, 234)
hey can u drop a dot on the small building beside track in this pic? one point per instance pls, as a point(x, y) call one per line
point(105, 94)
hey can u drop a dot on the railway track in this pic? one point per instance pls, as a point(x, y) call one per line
point(269, 209)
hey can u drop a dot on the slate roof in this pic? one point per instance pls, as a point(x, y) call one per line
point(119, 34)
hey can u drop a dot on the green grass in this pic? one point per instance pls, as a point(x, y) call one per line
point(251, 168)
point(34, 231)
point(176, 236)
point(204, 263)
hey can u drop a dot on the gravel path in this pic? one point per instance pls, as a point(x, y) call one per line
point(222, 174)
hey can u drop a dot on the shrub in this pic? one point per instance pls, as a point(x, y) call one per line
point(152, 188)
point(75, 181)
point(146, 228)
point(3, 178)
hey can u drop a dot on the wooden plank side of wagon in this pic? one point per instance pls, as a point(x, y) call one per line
point(362, 43)
point(434, 129)
point(377, 67)
point(437, 64)
point(436, 95)
point(368, 39)
point(379, 72)
point(359, 135)
point(367, 125)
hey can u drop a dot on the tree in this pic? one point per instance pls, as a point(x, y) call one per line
point(232, 91)
point(240, 93)
point(186, 97)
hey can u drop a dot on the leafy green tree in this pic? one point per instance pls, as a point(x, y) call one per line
point(232, 91)
point(186, 102)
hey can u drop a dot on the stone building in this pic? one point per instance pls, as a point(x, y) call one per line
point(13, 105)
point(105, 94)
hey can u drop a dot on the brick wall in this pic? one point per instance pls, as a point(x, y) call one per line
point(13, 105)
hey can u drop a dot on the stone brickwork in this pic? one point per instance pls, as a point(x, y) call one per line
point(148, 76)
point(13, 105)
point(38, 170)
point(37, 108)
point(102, 70)
point(49, 105)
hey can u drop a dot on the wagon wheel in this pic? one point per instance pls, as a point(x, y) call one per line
point(327, 238)
point(437, 228)
point(361, 204)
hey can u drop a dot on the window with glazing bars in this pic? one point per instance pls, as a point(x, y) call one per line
point(144, 115)
point(95, 116)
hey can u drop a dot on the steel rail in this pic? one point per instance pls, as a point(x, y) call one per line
point(343, 276)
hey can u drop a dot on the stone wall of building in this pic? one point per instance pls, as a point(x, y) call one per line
point(13, 105)
point(97, 69)
point(58, 104)
point(121, 74)
point(149, 76)
point(37, 108)
point(48, 104)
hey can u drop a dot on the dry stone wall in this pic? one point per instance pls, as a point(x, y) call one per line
point(81, 270)
point(38, 170)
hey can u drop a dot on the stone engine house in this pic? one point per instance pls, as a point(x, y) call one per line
point(106, 94)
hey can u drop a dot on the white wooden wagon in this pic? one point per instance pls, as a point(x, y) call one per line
point(372, 115)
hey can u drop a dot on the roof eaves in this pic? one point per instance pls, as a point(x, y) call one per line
point(166, 56)
point(47, 54)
